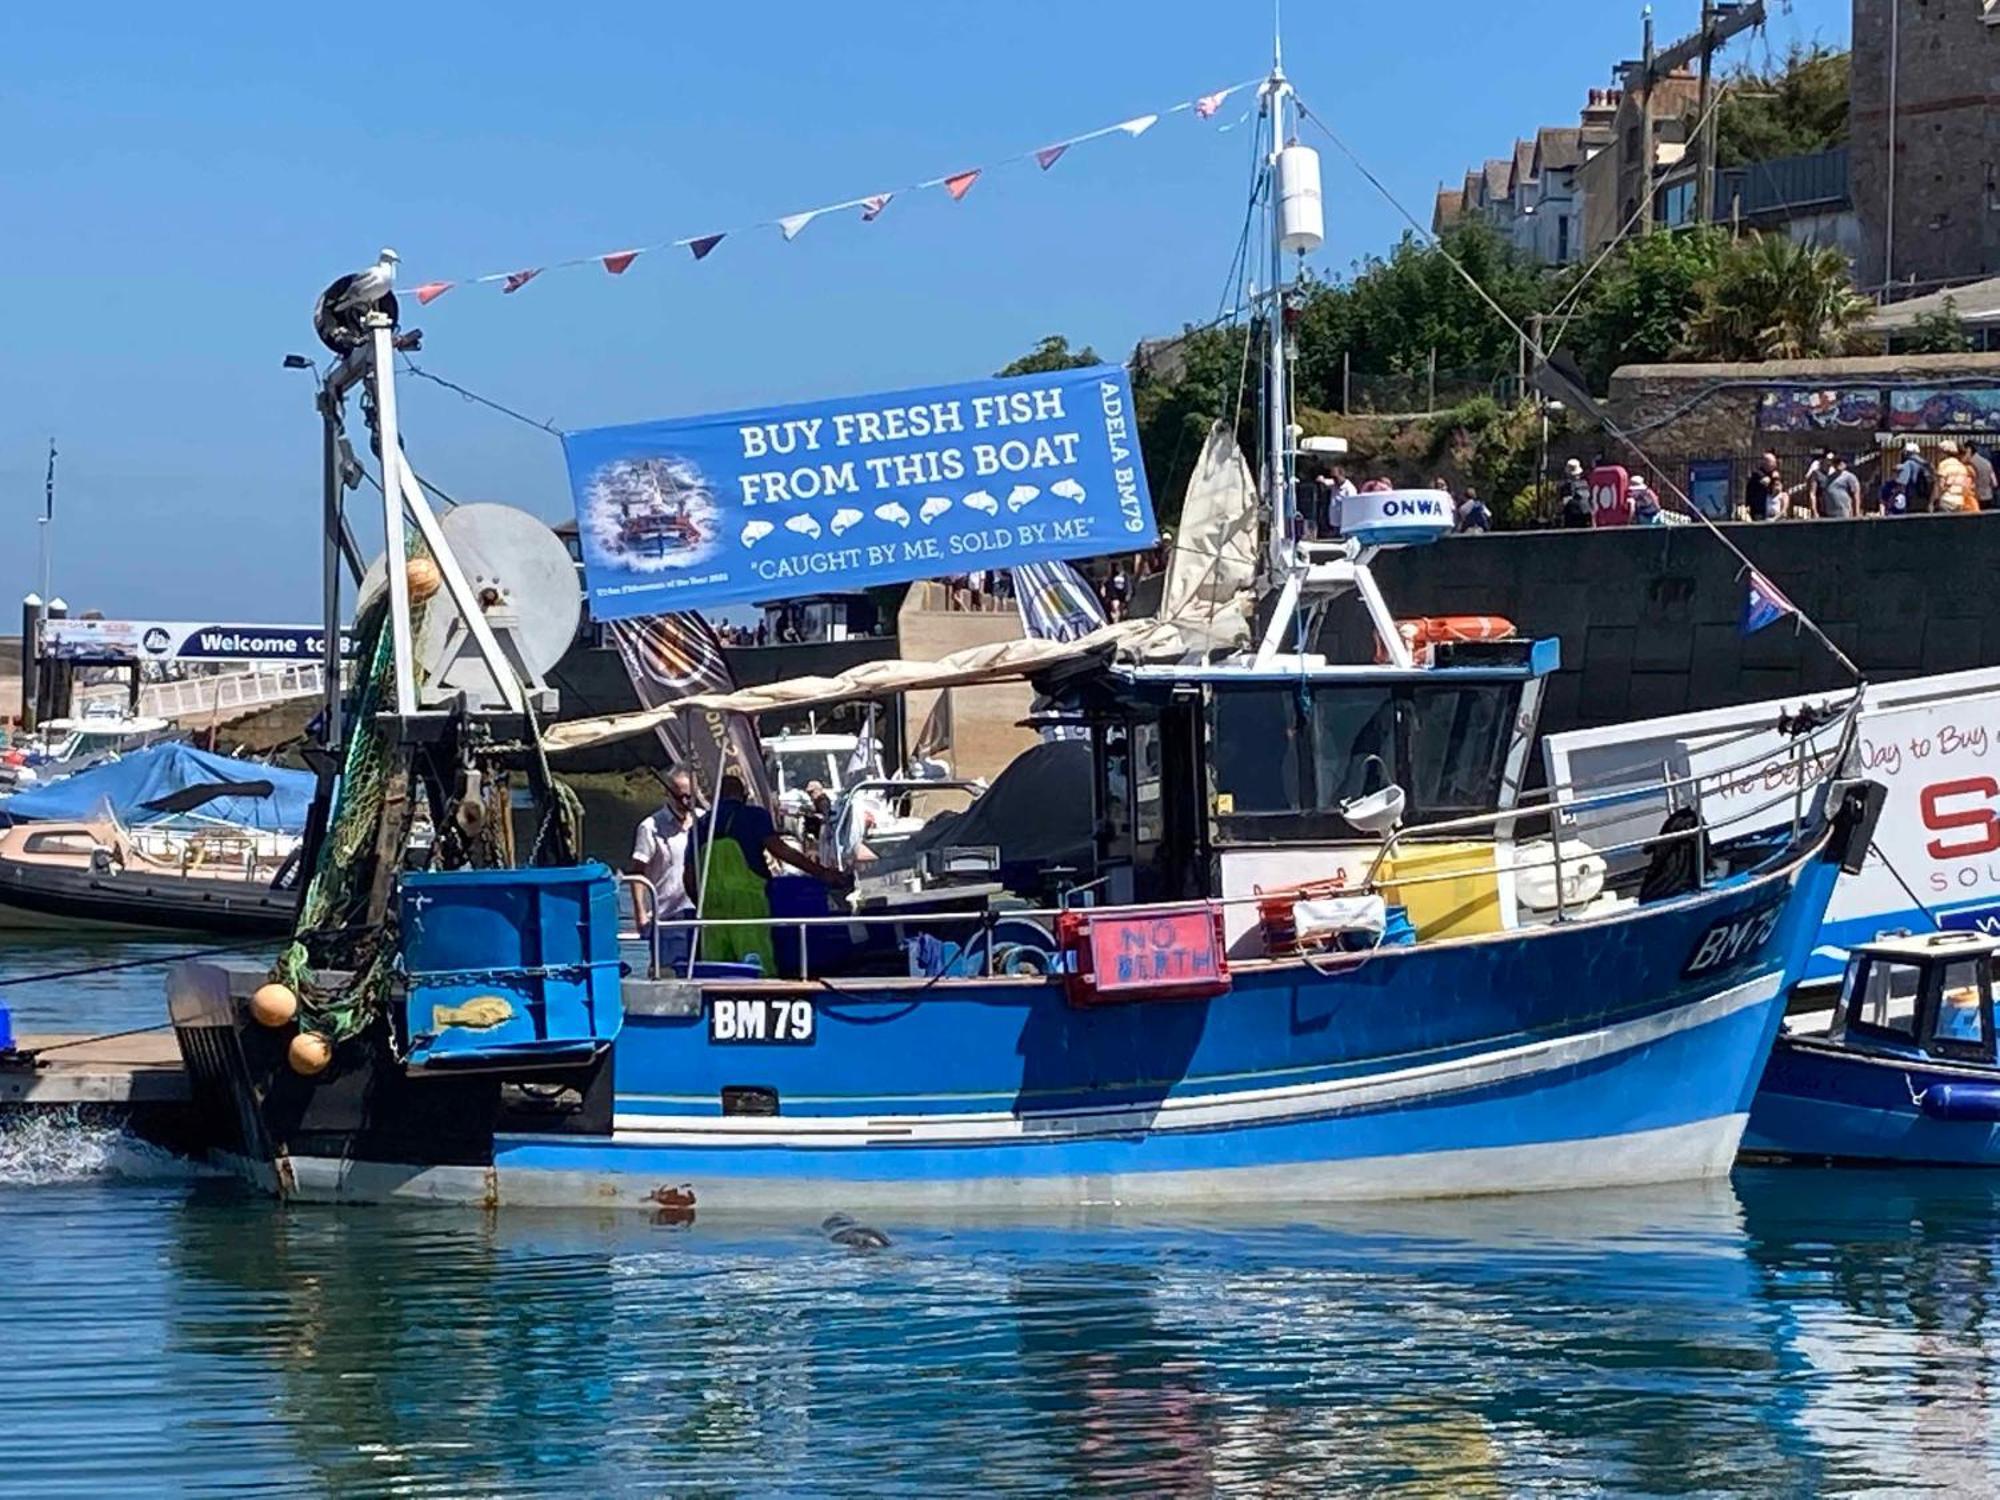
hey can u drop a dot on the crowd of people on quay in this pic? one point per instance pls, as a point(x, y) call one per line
point(1959, 479)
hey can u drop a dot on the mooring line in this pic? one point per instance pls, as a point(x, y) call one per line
point(84, 1041)
point(138, 963)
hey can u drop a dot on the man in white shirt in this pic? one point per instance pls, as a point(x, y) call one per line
point(660, 853)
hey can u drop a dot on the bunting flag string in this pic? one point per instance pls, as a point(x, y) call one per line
point(957, 185)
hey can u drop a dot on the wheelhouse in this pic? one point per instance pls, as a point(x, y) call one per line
point(1930, 995)
point(1212, 780)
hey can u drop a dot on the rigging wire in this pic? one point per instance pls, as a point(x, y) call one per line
point(1534, 345)
point(411, 367)
point(1571, 300)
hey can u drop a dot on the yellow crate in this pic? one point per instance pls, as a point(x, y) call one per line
point(1465, 903)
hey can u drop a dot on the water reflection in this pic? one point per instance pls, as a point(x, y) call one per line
point(1811, 1333)
point(1607, 1340)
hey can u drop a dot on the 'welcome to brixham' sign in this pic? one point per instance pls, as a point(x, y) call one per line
point(836, 496)
point(183, 640)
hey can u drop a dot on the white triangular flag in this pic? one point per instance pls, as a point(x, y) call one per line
point(1139, 126)
point(791, 224)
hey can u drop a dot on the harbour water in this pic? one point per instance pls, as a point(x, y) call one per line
point(1790, 1332)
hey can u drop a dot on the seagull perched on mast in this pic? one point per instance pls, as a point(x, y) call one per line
point(367, 287)
point(338, 318)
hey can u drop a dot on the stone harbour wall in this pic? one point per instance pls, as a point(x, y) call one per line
point(1649, 618)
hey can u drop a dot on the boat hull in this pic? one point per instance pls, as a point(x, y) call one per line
point(51, 899)
point(1620, 1050)
point(1820, 1101)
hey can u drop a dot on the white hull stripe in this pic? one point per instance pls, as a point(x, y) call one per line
point(1293, 1102)
point(1675, 1153)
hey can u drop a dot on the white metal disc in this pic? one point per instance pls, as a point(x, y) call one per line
point(519, 566)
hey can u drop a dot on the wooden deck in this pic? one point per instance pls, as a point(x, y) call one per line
point(143, 1069)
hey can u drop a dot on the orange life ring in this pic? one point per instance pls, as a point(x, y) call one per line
point(1427, 631)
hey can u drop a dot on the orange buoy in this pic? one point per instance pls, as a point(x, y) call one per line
point(274, 1005)
point(423, 578)
point(309, 1054)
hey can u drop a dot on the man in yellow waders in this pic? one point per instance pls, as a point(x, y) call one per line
point(733, 877)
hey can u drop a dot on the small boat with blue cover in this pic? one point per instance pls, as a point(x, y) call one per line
point(1902, 1069)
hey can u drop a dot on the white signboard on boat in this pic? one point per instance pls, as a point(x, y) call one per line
point(1933, 742)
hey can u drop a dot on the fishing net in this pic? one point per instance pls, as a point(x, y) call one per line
point(333, 932)
point(337, 933)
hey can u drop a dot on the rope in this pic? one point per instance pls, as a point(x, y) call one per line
point(1570, 300)
point(85, 1041)
point(135, 963)
point(1915, 900)
point(411, 367)
point(1617, 433)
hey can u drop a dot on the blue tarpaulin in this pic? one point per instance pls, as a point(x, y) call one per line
point(790, 500)
point(158, 771)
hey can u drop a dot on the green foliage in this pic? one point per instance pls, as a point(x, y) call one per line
point(1391, 315)
point(1791, 110)
point(1937, 332)
point(1636, 308)
point(1051, 354)
point(1771, 298)
point(1494, 447)
point(1178, 390)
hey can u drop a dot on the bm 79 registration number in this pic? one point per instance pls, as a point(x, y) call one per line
point(786, 1022)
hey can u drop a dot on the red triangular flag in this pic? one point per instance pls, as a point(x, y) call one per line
point(871, 208)
point(520, 279)
point(960, 185)
point(1208, 104)
point(702, 246)
point(1048, 156)
point(430, 291)
point(617, 263)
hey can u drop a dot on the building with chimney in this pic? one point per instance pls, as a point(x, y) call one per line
point(1533, 197)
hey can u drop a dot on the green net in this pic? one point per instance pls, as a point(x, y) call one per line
point(332, 932)
point(342, 961)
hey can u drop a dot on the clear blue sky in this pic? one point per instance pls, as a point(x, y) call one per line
point(181, 181)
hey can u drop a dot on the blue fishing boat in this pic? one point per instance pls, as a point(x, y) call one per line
point(1902, 1069)
point(1313, 942)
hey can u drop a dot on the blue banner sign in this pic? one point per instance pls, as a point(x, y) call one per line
point(114, 641)
point(837, 496)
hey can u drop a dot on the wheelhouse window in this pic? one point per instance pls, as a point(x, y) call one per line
point(1882, 997)
point(1354, 743)
point(1254, 762)
point(1961, 1023)
point(1458, 743)
point(1283, 757)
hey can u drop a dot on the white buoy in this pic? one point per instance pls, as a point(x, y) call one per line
point(1301, 216)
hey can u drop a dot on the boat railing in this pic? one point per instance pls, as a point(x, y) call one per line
point(1544, 806)
point(1806, 775)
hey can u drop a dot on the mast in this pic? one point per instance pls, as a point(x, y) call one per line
point(1277, 391)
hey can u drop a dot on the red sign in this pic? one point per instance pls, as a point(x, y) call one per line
point(1610, 499)
point(1174, 951)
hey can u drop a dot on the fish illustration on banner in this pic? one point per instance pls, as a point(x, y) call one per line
point(699, 512)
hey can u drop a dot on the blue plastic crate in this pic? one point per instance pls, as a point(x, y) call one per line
point(510, 966)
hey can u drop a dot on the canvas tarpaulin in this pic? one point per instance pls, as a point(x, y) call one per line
point(1000, 661)
point(127, 784)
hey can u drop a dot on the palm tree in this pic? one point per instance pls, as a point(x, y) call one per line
point(1772, 298)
